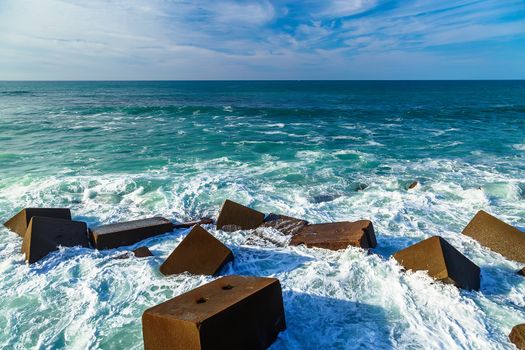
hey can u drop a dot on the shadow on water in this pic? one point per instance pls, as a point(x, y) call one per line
point(317, 322)
point(262, 262)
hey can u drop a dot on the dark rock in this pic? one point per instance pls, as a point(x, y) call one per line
point(199, 253)
point(203, 221)
point(140, 252)
point(321, 198)
point(130, 232)
point(284, 224)
point(20, 221)
point(497, 235)
point(236, 214)
point(522, 272)
point(337, 235)
point(361, 187)
point(441, 261)
point(45, 234)
point(517, 336)
point(413, 185)
point(232, 312)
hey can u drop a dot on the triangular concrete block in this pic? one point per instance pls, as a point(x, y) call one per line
point(234, 216)
point(20, 221)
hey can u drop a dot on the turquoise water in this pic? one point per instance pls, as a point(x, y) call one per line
point(123, 150)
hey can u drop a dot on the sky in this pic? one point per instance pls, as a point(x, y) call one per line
point(267, 39)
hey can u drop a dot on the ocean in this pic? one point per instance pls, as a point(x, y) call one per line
point(319, 150)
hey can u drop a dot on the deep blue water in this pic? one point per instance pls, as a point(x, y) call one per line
point(123, 150)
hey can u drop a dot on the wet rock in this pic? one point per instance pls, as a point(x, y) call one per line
point(203, 221)
point(199, 253)
point(413, 185)
point(337, 235)
point(140, 252)
point(517, 336)
point(497, 235)
point(130, 232)
point(321, 198)
point(232, 312)
point(20, 221)
point(285, 224)
point(235, 215)
point(45, 234)
point(441, 261)
point(361, 187)
point(521, 272)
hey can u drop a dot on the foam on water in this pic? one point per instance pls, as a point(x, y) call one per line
point(346, 167)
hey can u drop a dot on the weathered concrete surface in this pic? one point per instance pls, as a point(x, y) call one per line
point(45, 234)
point(337, 235)
point(199, 253)
point(517, 336)
point(232, 312)
point(236, 216)
point(497, 236)
point(130, 232)
point(286, 224)
point(441, 261)
point(20, 221)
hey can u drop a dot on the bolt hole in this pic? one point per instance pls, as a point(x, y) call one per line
point(201, 300)
point(227, 287)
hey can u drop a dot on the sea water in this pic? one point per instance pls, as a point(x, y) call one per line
point(322, 151)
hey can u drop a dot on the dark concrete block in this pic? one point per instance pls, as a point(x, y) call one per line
point(20, 221)
point(45, 234)
point(130, 232)
point(199, 253)
point(497, 236)
point(517, 336)
point(522, 271)
point(140, 252)
point(236, 216)
point(232, 312)
point(283, 223)
point(442, 262)
point(337, 235)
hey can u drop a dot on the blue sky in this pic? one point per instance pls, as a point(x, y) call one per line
point(332, 39)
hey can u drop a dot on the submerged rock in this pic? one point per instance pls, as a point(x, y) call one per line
point(45, 234)
point(337, 235)
point(232, 312)
point(20, 221)
point(321, 198)
point(441, 261)
point(285, 224)
point(517, 336)
point(130, 232)
point(497, 235)
point(199, 253)
point(413, 185)
point(235, 216)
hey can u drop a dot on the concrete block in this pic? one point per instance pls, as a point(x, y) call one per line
point(130, 232)
point(44, 235)
point(199, 253)
point(236, 216)
point(285, 224)
point(232, 312)
point(20, 221)
point(337, 235)
point(441, 261)
point(517, 336)
point(497, 235)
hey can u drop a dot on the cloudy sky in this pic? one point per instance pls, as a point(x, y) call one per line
point(271, 39)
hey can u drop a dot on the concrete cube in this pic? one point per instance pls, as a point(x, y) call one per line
point(235, 216)
point(20, 221)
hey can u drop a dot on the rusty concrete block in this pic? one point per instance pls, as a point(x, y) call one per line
point(199, 253)
point(232, 312)
point(20, 221)
point(517, 336)
point(497, 236)
point(441, 261)
point(236, 216)
point(285, 224)
point(130, 232)
point(44, 235)
point(337, 235)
